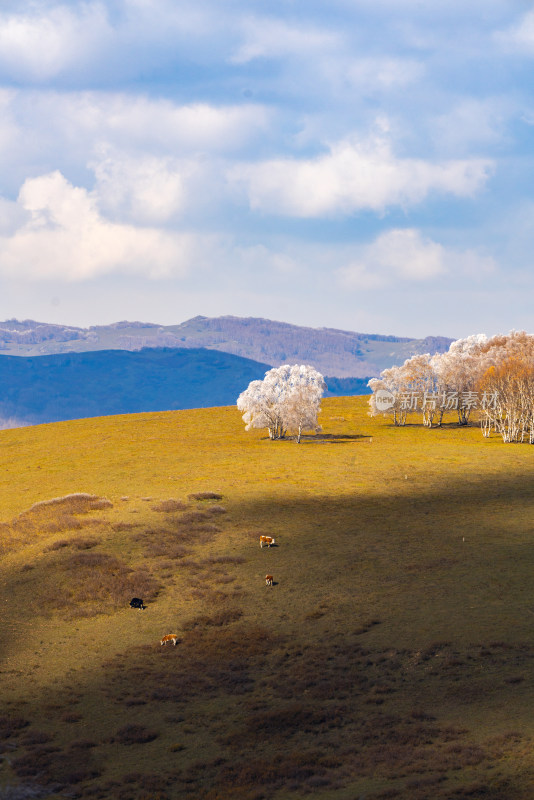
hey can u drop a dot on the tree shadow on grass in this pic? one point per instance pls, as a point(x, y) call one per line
point(334, 438)
point(325, 438)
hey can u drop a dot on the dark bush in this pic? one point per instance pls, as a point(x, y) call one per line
point(84, 543)
point(135, 734)
point(166, 549)
point(57, 545)
point(419, 714)
point(216, 510)
point(168, 506)
point(10, 726)
point(71, 717)
point(47, 765)
point(123, 526)
point(36, 737)
point(205, 496)
point(73, 503)
point(82, 744)
point(96, 583)
point(78, 542)
point(35, 762)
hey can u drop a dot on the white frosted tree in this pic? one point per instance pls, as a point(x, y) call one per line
point(391, 380)
point(458, 372)
point(288, 398)
point(415, 375)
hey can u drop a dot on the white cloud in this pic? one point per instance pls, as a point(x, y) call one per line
point(265, 260)
point(138, 122)
point(382, 73)
point(86, 39)
point(519, 36)
point(275, 38)
point(41, 131)
point(354, 176)
point(146, 190)
point(43, 42)
point(473, 122)
point(406, 255)
point(197, 127)
point(64, 235)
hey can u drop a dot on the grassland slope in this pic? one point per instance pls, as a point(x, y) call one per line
point(391, 659)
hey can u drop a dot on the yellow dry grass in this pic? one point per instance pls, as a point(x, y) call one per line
point(392, 658)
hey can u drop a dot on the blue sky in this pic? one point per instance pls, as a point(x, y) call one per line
point(361, 164)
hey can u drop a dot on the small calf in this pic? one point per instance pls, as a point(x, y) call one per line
point(269, 580)
point(171, 637)
point(136, 602)
point(267, 541)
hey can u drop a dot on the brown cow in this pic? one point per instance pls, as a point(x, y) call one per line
point(269, 580)
point(267, 541)
point(171, 637)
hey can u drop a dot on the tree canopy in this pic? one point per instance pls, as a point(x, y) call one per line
point(287, 399)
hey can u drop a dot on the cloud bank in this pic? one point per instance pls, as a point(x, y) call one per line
point(64, 235)
point(354, 176)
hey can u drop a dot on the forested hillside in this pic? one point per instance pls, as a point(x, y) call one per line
point(75, 385)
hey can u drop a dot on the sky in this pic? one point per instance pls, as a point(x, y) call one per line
point(357, 164)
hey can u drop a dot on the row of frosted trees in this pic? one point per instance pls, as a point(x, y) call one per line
point(494, 376)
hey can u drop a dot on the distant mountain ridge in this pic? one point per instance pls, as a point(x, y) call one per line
point(338, 353)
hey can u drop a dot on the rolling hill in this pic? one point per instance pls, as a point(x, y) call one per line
point(391, 659)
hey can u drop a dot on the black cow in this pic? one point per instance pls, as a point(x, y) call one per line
point(136, 602)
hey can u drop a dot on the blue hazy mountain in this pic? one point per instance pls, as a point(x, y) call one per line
point(66, 386)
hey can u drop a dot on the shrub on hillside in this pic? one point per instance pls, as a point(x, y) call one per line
point(96, 583)
point(51, 516)
point(168, 506)
point(205, 496)
point(216, 510)
point(79, 503)
point(78, 542)
point(135, 734)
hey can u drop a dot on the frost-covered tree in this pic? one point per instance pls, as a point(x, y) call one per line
point(391, 380)
point(288, 398)
point(458, 372)
point(414, 376)
point(508, 362)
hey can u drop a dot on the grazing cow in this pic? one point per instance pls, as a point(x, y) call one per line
point(136, 602)
point(269, 580)
point(267, 541)
point(171, 637)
